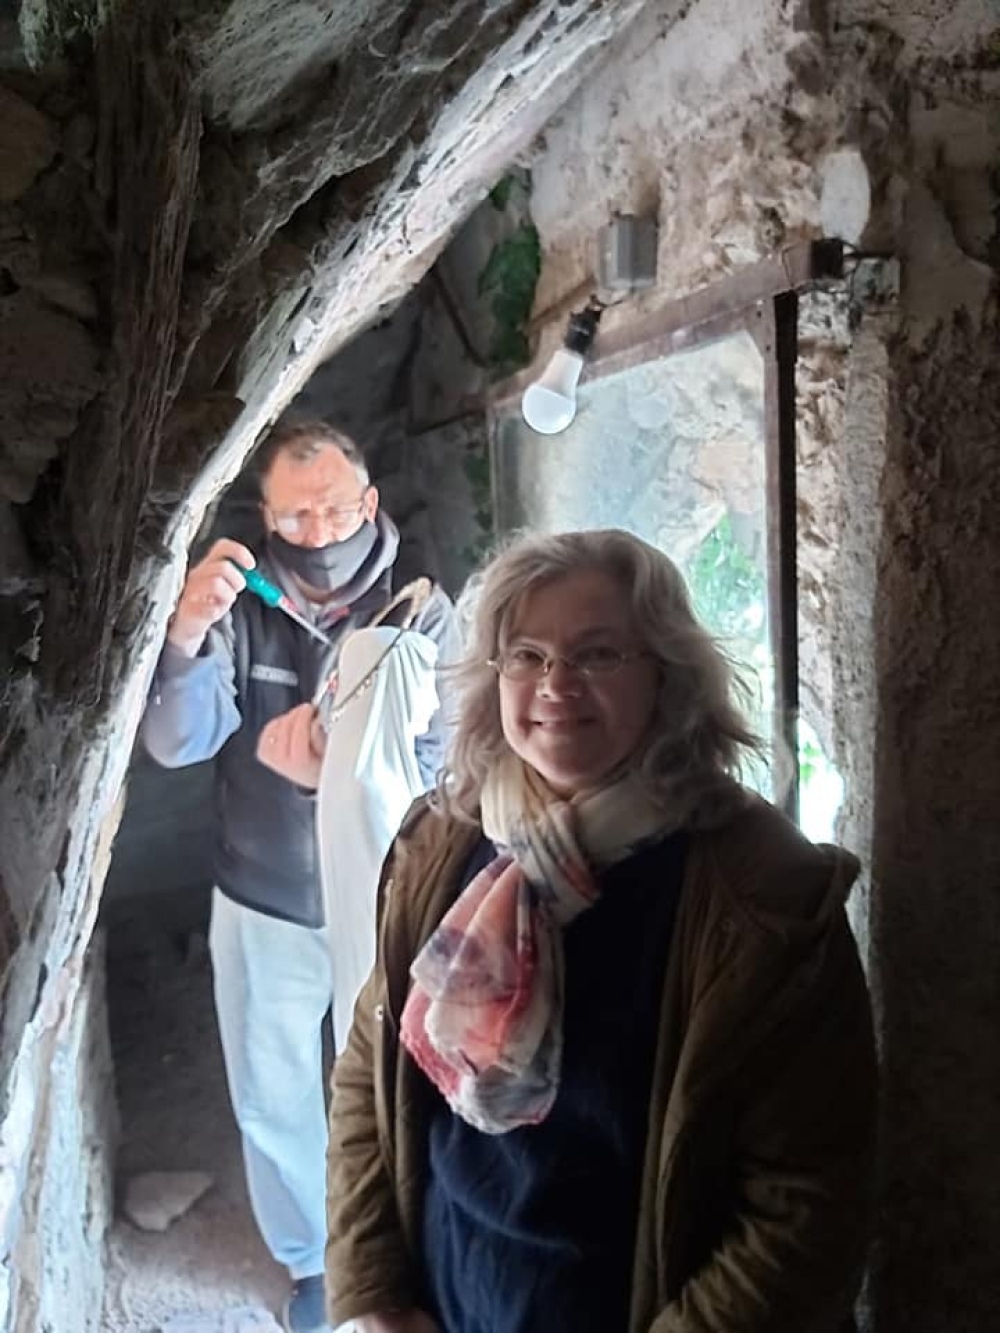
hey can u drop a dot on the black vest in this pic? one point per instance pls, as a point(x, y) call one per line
point(266, 852)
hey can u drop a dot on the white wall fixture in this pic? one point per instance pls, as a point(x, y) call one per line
point(846, 198)
point(626, 256)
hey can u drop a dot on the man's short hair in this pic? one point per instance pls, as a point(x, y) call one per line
point(303, 440)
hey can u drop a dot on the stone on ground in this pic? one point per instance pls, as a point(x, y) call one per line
point(156, 1198)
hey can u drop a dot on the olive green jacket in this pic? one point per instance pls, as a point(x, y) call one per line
point(755, 1193)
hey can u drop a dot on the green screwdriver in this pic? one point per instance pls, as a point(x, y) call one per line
point(271, 595)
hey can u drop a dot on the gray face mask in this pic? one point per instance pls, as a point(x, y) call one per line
point(326, 568)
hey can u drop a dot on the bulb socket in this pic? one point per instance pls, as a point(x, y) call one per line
point(582, 328)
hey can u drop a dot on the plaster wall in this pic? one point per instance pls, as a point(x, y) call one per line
point(721, 126)
point(718, 125)
point(690, 123)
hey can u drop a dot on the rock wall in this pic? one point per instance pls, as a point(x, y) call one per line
point(898, 473)
point(936, 851)
point(58, 1263)
point(923, 392)
point(182, 241)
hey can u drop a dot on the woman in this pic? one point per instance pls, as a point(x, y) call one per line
point(614, 1067)
point(369, 777)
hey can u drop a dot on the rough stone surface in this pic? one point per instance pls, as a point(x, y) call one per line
point(67, 1184)
point(49, 365)
point(156, 1198)
point(267, 60)
point(28, 143)
point(936, 854)
point(227, 253)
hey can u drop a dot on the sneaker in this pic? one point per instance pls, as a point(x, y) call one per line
point(305, 1310)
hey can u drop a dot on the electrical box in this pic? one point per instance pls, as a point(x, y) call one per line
point(627, 255)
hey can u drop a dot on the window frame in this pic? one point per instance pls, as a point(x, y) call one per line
point(762, 300)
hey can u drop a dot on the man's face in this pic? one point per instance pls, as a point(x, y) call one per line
point(315, 501)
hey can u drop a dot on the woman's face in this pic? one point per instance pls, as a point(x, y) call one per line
point(573, 728)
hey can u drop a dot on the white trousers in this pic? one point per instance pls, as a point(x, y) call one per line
point(273, 986)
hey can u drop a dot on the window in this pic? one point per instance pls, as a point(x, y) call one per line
point(684, 435)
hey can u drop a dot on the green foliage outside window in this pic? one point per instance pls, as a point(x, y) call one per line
point(508, 280)
point(728, 589)
point(729, 593)
point(510, 277)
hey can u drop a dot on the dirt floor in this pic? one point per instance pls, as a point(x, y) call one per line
point(209, 1272)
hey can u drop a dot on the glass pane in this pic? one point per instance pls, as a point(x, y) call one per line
point(821, 787)
point(673, 451)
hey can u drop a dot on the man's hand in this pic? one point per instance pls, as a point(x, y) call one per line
point(396, 1321)
point(293, 745)
point(209, 591)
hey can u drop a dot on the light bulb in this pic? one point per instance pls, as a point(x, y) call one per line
point(549, 405)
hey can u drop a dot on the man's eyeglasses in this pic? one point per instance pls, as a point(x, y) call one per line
point(594, 660)
point(338, 520)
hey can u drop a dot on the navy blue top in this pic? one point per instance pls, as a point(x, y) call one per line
point(535, 1229)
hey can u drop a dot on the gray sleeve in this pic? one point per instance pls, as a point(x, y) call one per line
point(439, 622)
point(191, 711)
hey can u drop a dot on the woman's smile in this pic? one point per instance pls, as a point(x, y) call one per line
point(571, 726)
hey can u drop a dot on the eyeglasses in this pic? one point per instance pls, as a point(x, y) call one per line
point(338, 520)
point(595, 660)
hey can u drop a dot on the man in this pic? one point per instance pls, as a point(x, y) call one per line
point(232, 668)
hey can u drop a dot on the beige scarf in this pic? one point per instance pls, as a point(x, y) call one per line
point(483, 1019)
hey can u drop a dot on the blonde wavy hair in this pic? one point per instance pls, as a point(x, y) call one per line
point(700, 737)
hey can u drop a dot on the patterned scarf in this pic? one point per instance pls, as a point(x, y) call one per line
point(483, 1018)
